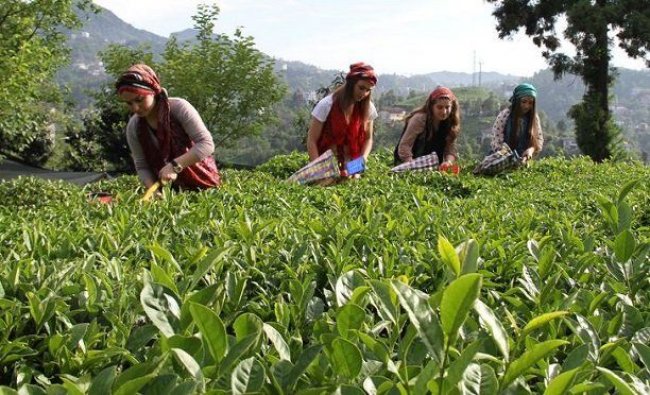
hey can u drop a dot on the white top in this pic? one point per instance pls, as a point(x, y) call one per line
point(322, 109)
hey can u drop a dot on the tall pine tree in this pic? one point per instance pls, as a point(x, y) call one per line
point(592, 25)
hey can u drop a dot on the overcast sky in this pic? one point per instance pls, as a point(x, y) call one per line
point(395, 36)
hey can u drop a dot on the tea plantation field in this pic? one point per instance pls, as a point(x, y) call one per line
point(533, 282)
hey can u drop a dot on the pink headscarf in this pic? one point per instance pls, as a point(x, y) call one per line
point(441, 92)
point(363, 71)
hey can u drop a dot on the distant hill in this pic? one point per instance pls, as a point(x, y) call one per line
point(631, 92)
point(101, 29)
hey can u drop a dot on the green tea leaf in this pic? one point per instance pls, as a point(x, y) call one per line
point(345, 286)
point(188, 362)
point(622, 387)
point(624, 360)
point(494, 327)
point(468, 254)
point(212, 330)
point(278, 341)
point(248, 377)
point(480, 380)
point(302, 363)
point(626, 189)
point(213, 261)
point(624, 246)
point(163, 254)
point(422, 317)
point(349, 317)
point(388, 302)
point(457, 300)
point(161, 277)
point(345, 358)
point(624, 217)
point(237, 352)
point(528, 359)
point(136, 377)
point(542, 320)
point(460, 364)
point(103, 382)
point(247, 324)
point(448, 255)
point(561, 383)
point(159, 308)
point(644, 353)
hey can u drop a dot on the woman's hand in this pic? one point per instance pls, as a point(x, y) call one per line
point(167, 174)
point(528, 154)
point(449, 168)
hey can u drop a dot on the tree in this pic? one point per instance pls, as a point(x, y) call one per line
point(231, 84)
point(32, 49)
point(590, 26)
point(100, 142)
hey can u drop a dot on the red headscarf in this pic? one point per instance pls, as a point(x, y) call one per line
point(441, 92)
point(141, 80)
point(362, 71)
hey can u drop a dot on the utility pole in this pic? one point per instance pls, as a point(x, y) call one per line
point(474, 70)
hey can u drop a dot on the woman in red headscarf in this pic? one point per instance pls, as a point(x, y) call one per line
point(343, 121)
point(167, 137)
point(433, 127)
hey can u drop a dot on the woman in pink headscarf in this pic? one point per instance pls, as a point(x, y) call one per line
point(167, 137)
point(343, 121)
point(433, 127)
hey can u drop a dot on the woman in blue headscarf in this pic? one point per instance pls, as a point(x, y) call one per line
point(518, 125)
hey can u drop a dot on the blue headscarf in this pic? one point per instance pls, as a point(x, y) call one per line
point(523, 90)
point(523, 136)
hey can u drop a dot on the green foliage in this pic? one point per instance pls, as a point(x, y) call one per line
point(588, 27)
point(231, 83)
point(99, 142)
point(32, 49)
point(532, 282)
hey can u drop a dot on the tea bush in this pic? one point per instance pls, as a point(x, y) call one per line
point(531, 282)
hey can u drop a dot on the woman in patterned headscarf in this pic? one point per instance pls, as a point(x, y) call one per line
point(518, 125)
point(343, 121)
point(167, 137)
point(433, 127)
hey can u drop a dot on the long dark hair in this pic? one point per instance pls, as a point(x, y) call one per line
point(533, 128)
point(344, 94)
point(452, 123)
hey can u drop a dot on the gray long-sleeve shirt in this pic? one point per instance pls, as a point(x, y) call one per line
point(189, 119)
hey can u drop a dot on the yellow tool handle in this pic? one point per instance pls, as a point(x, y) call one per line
point(152, 189)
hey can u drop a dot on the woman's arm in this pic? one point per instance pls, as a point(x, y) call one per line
point(498, 128)
point(540, 134)
point(139, 161)
point(193, 125)
point(367, 145)
point(414, 128)
point(315, 130)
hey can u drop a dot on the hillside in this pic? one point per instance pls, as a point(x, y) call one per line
point(267, 287)
point(104, 28)
point(631, 90)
